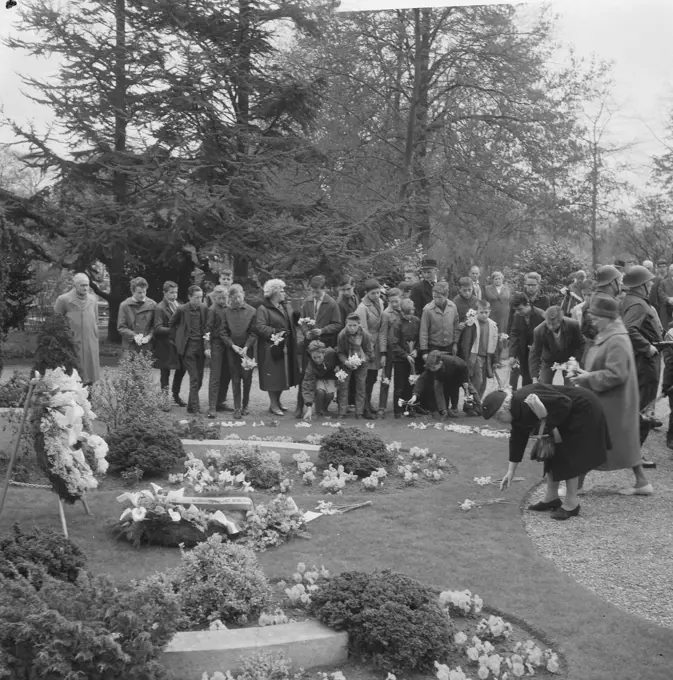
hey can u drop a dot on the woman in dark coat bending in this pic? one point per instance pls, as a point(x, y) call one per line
point(577, 416)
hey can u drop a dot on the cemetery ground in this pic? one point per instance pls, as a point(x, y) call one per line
point(420, 531)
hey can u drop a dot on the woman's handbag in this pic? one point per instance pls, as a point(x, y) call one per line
point(544, 448)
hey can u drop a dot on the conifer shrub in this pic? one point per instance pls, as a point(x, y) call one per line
point(151, 448)
point(56, 346)
point(392, 620)
point(358, 451)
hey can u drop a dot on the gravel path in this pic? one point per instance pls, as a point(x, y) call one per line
point(619, 547)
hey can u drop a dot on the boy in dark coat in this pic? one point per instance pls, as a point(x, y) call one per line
point(319, 385)
point(165, 352)
point(354, 340)
point(526, 319)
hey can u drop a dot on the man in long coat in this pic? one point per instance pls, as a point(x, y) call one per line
point(421, 292)
point(165, 351)
point(80, 307)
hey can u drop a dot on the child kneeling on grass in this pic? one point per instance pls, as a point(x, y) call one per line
point(319, 385)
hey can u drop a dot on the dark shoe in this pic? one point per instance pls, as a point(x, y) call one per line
point(298, 414)
point(276, 412)
point(541, 506)
point(210, 415)
point(223, 407)
point(245, 412)
point(563, 514)
point(195, 411)
point(453, 413)
point(649, 464)
point(368, 415)
point(178, 401)
point(237, 414)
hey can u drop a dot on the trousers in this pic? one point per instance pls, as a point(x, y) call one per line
point(194, 362)
point(218, 383)
point(178, 375)
point(238, 376)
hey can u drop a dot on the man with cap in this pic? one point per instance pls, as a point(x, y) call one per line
point(655, 300)
point(644, 328)
point(421, 292)
point(521, 337)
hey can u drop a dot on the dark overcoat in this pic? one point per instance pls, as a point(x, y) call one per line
point(165, 352)
point(578, 415)
point(277, 374)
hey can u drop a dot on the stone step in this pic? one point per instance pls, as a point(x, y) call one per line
point(308, 644)
point(224, 503)
point(199, 447)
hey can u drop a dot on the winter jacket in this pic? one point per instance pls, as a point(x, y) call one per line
point(439, 328)
point(404, 332)
point(238, 326)
point(134, 318)
point(358, 343)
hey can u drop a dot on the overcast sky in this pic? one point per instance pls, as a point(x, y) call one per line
point(634, 34)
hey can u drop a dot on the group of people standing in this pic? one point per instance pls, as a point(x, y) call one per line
point(602, 414)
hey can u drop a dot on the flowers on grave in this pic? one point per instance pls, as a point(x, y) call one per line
point(370, 426)
point(334, 425)
point(465, 429)
point(152, 510)
point(314, 439)
point(248, 363)
point(494, 628)
point(394, 446)
point(305, 467)
point(341, 375)
point(232, 423)
point(66, 449)
point(416, 426)
point(272, 523)
point(354, 362)
point(483, 481)
point(460, 602)
point(417, 453)
point(433, 475)
point(334, 481)
point(375, 479)
point(303, 423)
point(201, 478)
point(471, 317)
point(408, 475)
point(326, 508)
point(278, 617)
point(305, 584)
point(277, 338)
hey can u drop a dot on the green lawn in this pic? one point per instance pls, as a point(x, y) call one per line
point(424, 533)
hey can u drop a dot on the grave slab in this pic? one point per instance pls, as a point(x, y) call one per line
point(308, 644)
point(199, 447)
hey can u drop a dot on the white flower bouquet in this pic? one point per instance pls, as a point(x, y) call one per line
point(66, 449)
point(277, 338)
point(385, 381)
point(206, 337)
point(503, 337)
point(354, 362)
point(248, 363)
point(306, 321)
point(570, 367)
point(141, 339)
point(471, 317)
point(341, 375)
point(413, 379)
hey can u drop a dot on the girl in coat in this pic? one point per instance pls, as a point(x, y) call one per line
point(611, 374)
point(572, 414)
point(278, 360)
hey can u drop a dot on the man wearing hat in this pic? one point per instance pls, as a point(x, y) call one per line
point(421, 292)
point(655, 300)
point(642, 323)
point(608, 283)
point(521, 337)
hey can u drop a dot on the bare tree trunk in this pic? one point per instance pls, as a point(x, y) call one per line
point(595, 159)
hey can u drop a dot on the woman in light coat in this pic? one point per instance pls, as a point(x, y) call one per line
point(611, 374)
point(370, 311)
point(498, 294)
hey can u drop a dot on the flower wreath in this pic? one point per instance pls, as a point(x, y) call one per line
point(66, 449)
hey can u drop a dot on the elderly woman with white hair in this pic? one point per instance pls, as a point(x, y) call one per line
point(574, 417)
point(278, 359)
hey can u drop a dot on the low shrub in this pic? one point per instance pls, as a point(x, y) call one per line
point(358, 451)
point(219, 580)
point(90, 629)
point(262, 467)
point(13, 392)
point(391, 619)
point(151, 448)
point(21, 551)
point(260, 667)
point(56, 346)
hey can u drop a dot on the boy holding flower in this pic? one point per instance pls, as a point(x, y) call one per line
point(354, 350)
point(320, 382)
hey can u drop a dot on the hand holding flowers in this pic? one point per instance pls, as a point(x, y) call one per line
point(354, 362)
point(471, 317)
point(277, 338)
point(248, 363)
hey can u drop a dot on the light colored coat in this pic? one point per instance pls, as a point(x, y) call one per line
point(612, 376)
point(439, 327)
point(82, 315)
point(371, 318)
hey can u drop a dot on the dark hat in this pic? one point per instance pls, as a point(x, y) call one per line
point(662, 263)
point(519, 299)
point(637, 276)
point(604, 305)
point(606, 275)
point(492, 403)
point(428, 263)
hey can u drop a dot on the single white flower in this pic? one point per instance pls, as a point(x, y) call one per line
point(138, 514)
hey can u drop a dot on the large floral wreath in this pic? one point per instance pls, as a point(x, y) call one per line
point(66, 449)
